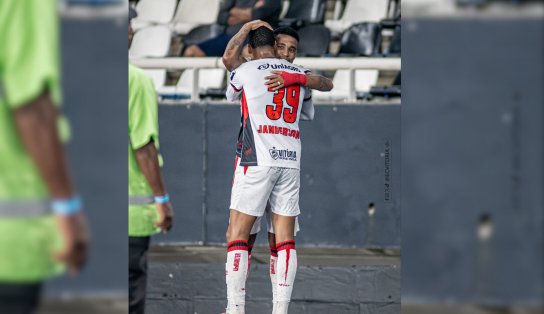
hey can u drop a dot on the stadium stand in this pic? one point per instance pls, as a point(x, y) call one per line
point(364, 79)
point(303, 12)
point(357, 11)
point(153, 41)
point(153, 12)
point(208, 79)
point(361, 39)
point(189, 14)
point(314, 40)
point(327, 28)
point(201, 33)
point(158, 77)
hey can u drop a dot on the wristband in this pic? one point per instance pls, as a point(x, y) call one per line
point(293, 79)
point(67, 206)
point(162, 199)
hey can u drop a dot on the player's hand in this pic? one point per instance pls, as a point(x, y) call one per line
point(166, 216)
point(274, 81)
point(253, 25)
point(75, 236)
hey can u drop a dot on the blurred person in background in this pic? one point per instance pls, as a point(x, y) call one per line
point(42, 228)
point(285, 48)
point(233, 14)
point(150, 210)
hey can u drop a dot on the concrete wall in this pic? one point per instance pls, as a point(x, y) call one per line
point(350, 161)
point(472, 157)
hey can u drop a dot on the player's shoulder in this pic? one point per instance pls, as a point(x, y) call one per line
point(303, 69)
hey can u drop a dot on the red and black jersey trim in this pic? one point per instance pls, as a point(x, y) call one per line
point(248, 153)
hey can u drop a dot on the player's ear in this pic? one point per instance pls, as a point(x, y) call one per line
point(249, 49)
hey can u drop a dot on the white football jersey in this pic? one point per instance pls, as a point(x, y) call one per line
point(269, 134)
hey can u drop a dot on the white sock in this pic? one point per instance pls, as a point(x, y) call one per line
point(249, 260)
point(236, 273)
point(272, 269)
point(286, 270)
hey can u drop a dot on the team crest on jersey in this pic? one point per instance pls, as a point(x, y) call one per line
point(283, 154)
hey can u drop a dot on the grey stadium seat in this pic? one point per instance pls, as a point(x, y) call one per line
point(314, 40)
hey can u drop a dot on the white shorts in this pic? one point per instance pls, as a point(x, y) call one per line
point(270, 228)
point(253, 187)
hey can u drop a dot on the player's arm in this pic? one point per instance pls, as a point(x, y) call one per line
point(310, 80)
point(232, 58)
point(234, 88)
point(143, 132)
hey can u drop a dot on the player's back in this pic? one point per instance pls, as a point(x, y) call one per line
point(271, 135)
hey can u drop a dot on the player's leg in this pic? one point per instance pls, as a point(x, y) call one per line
point(273, 251)
point(237, 259)
point(284, 206)
point(251, 241)
point(286, 269)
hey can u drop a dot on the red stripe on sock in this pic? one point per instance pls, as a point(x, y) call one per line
point(245, 169)
point(287, 264)
point(237, 245)
point(287, 246)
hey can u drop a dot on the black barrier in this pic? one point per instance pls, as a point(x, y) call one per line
point(350, 174)
point(472, 155)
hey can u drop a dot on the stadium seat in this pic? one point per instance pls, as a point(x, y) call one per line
point(358, 11)
point(201, 33)
point(158, 77)
point(361, 39)
point(395, 44)
point(284, 8)
point(207, 79)
point(301, 12)
point(153, 12)
point(364, 80)
point(192, 13)
point(314, 40)
point(153, 41)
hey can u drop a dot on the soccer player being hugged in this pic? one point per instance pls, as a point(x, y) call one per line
point(267, 166)
point(286, 46)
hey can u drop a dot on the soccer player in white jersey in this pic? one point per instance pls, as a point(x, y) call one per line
point(268, 169)
point(286, 47)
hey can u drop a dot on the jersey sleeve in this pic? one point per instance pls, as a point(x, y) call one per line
point(308, 111)
point(143, 111)
point(29, 45)
point(234, 88)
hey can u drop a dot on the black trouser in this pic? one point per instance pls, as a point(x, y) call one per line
point(137, 273)
point(20, 298)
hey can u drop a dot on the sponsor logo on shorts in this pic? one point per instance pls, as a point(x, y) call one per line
point(283, 154)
